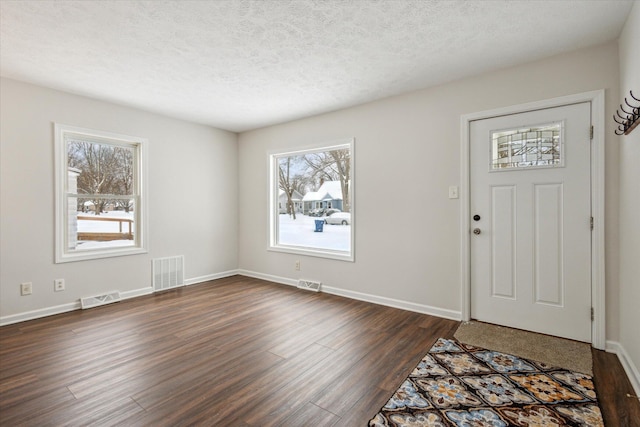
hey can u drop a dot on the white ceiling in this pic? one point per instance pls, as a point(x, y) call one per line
point(240, 65)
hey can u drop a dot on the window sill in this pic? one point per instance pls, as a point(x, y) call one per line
point(318, 253)
point(98, 254)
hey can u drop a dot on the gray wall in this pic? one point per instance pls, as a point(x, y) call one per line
point(408, 148)
point(192, 174)
point(629, 168)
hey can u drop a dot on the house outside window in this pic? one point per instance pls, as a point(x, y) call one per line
point(100, 194)
point(307, 187)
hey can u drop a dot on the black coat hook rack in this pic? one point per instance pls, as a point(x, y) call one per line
point(628, 120)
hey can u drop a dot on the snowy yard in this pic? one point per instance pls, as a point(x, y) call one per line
point(294, 233)
point(301, 233)
point(102, 226)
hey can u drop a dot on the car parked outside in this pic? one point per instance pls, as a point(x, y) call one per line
point(331, 211)
point(317, 212)
point(338, 218)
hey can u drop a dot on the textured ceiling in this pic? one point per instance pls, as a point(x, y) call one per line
point(241, 65)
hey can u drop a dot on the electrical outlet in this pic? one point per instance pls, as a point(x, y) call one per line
point(58, 285)
point(26, 288)
point(297, 265)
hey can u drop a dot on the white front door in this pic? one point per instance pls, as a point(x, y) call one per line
point(530, 202)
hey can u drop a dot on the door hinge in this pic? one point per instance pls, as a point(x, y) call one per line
point(591, 133)
point(591, 222)
point(592, 314)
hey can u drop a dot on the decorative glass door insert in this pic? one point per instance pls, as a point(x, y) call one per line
point(532, 147)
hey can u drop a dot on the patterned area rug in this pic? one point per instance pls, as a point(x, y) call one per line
point(464, 386)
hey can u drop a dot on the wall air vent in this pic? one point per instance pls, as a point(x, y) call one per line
point(94, 301)
point(309, 285)
point(168, 273)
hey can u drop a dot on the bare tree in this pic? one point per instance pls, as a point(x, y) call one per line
point(287, 183)
point(332, 166)
point(321, 166)
point(342, 160)
point(104, 170)
point(124, 176)
point(304, 184)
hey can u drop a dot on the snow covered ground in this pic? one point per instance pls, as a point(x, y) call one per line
point(88, 226)
point(105, 226)
point(301, 233)
point(102, 245)
point(294, 233)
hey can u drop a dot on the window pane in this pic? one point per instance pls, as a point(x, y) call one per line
point(312, 205)
point(525, 148)
point(99, 174)
point(107, 224)
point(101, 168)
point(100, 194)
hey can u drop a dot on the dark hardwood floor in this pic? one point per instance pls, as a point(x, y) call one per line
point(233, 352)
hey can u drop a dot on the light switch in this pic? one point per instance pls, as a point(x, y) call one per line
point(453, 192)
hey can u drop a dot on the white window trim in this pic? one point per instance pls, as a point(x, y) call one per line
point(141, 212)
point(273, 215)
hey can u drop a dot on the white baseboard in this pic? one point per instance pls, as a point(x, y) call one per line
point(36, 314)
point(268, 277)
point(389, 302)
point(209, 277)
point(64, 308)
point(626, 362)
point(395, 303)
point(135, 293)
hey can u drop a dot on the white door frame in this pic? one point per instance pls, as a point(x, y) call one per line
point(596, 98)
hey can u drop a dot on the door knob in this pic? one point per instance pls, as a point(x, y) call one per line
point(476, 231)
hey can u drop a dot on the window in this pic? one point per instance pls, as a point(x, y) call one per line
point(312, 208)
point(541, 146)
point(100, 205)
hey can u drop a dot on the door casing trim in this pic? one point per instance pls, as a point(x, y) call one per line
point(596, 99)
